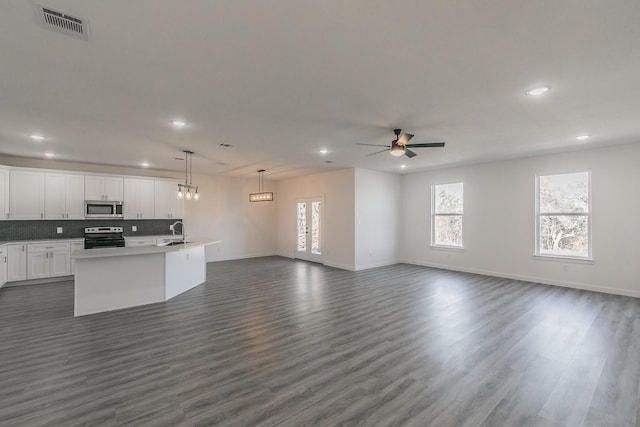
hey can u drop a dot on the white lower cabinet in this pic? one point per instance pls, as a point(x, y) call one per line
point(139, 241)
point(48, 260)
point(3, 265)
point(16, 262)
point(75, 246)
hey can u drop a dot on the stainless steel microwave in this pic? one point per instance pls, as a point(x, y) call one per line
point(102, 209)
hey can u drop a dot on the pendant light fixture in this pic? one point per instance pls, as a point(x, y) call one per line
point(262, 196)
point(184, 190)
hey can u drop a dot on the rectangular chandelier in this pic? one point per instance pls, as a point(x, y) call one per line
point(261, 197)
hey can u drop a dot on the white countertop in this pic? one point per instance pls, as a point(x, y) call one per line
point(81, 239)
point(138, 250)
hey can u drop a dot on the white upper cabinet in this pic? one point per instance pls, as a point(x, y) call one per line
point(64, 196)
point(103, 188)
point(138, 198)
point(167, 205)
point(26, 195)
point(4, 193)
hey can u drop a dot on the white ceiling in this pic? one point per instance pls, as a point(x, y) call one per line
point(279, 80)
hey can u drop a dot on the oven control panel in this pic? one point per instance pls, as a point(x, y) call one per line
point(90, 230)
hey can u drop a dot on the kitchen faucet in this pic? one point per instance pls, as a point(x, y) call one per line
point(173, 230)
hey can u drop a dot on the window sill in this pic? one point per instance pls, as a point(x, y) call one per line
point(560, 258)
point(448, 248)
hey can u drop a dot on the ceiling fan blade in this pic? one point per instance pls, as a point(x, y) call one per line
point(426, 144)
point(404, 138)
point(377, 152)
point(409, 153)
point(373, 145)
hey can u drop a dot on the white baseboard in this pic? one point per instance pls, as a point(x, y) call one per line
point(245, 256)
point(39, 281)
point(328, 264)
point(573, 285)
point(340, 266)
point(285, 255)
point(376, 265)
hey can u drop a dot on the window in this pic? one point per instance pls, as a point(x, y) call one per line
point(446, 215)
point(563, 209)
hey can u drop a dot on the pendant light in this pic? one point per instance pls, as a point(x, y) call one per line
point(261, 196)
point(188, 181)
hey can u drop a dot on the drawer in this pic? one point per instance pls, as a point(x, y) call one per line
point(48, 247)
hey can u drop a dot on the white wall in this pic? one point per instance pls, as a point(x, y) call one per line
point(378, 214)
point(337, 188)
point(499, 220)
point(225, 213)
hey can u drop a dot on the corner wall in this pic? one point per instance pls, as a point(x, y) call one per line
point(337, 188)
point(499, 220)
point(378, 215)
point(224, 212)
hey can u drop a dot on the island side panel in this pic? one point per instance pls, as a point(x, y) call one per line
point(115, 282)
point(185, 269)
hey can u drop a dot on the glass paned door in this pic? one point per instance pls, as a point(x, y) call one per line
point(309, 229)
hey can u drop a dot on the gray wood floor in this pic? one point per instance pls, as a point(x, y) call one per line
point(272, 341)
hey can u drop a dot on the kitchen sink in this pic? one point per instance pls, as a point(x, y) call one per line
point(174, 243)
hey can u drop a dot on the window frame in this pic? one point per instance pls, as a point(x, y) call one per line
point(588, 214)
point(433, 243)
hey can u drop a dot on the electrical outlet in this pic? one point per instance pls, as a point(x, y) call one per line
point(59, 230)
point(171, 227)
point(134, 228)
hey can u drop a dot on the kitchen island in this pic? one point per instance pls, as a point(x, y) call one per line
point(114, 278)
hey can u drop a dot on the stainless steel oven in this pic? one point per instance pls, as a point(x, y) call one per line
point(103, 237)
point(102, 209)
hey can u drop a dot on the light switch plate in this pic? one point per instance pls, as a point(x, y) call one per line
point(59, 230)
point(134, 228)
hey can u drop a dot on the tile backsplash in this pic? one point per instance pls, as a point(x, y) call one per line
point(47, 229)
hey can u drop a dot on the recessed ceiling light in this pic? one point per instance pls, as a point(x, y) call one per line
point(538, 90)
point(582, 137)
point(49, 154)
point(36, 137)
point(324, 151)
point(144, 164)
point(403, 166)
point(178, 123)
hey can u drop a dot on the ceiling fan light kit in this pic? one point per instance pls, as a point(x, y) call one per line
point(261, 196)
point(397, 150)
point(399, 147)
point(184, 190)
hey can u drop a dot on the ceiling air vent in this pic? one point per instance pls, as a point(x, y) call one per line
point(63, 23)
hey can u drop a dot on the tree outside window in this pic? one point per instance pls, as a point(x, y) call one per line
point(563, 215)
point(446, 215)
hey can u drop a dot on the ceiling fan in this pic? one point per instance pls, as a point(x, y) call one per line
point(399, 146)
